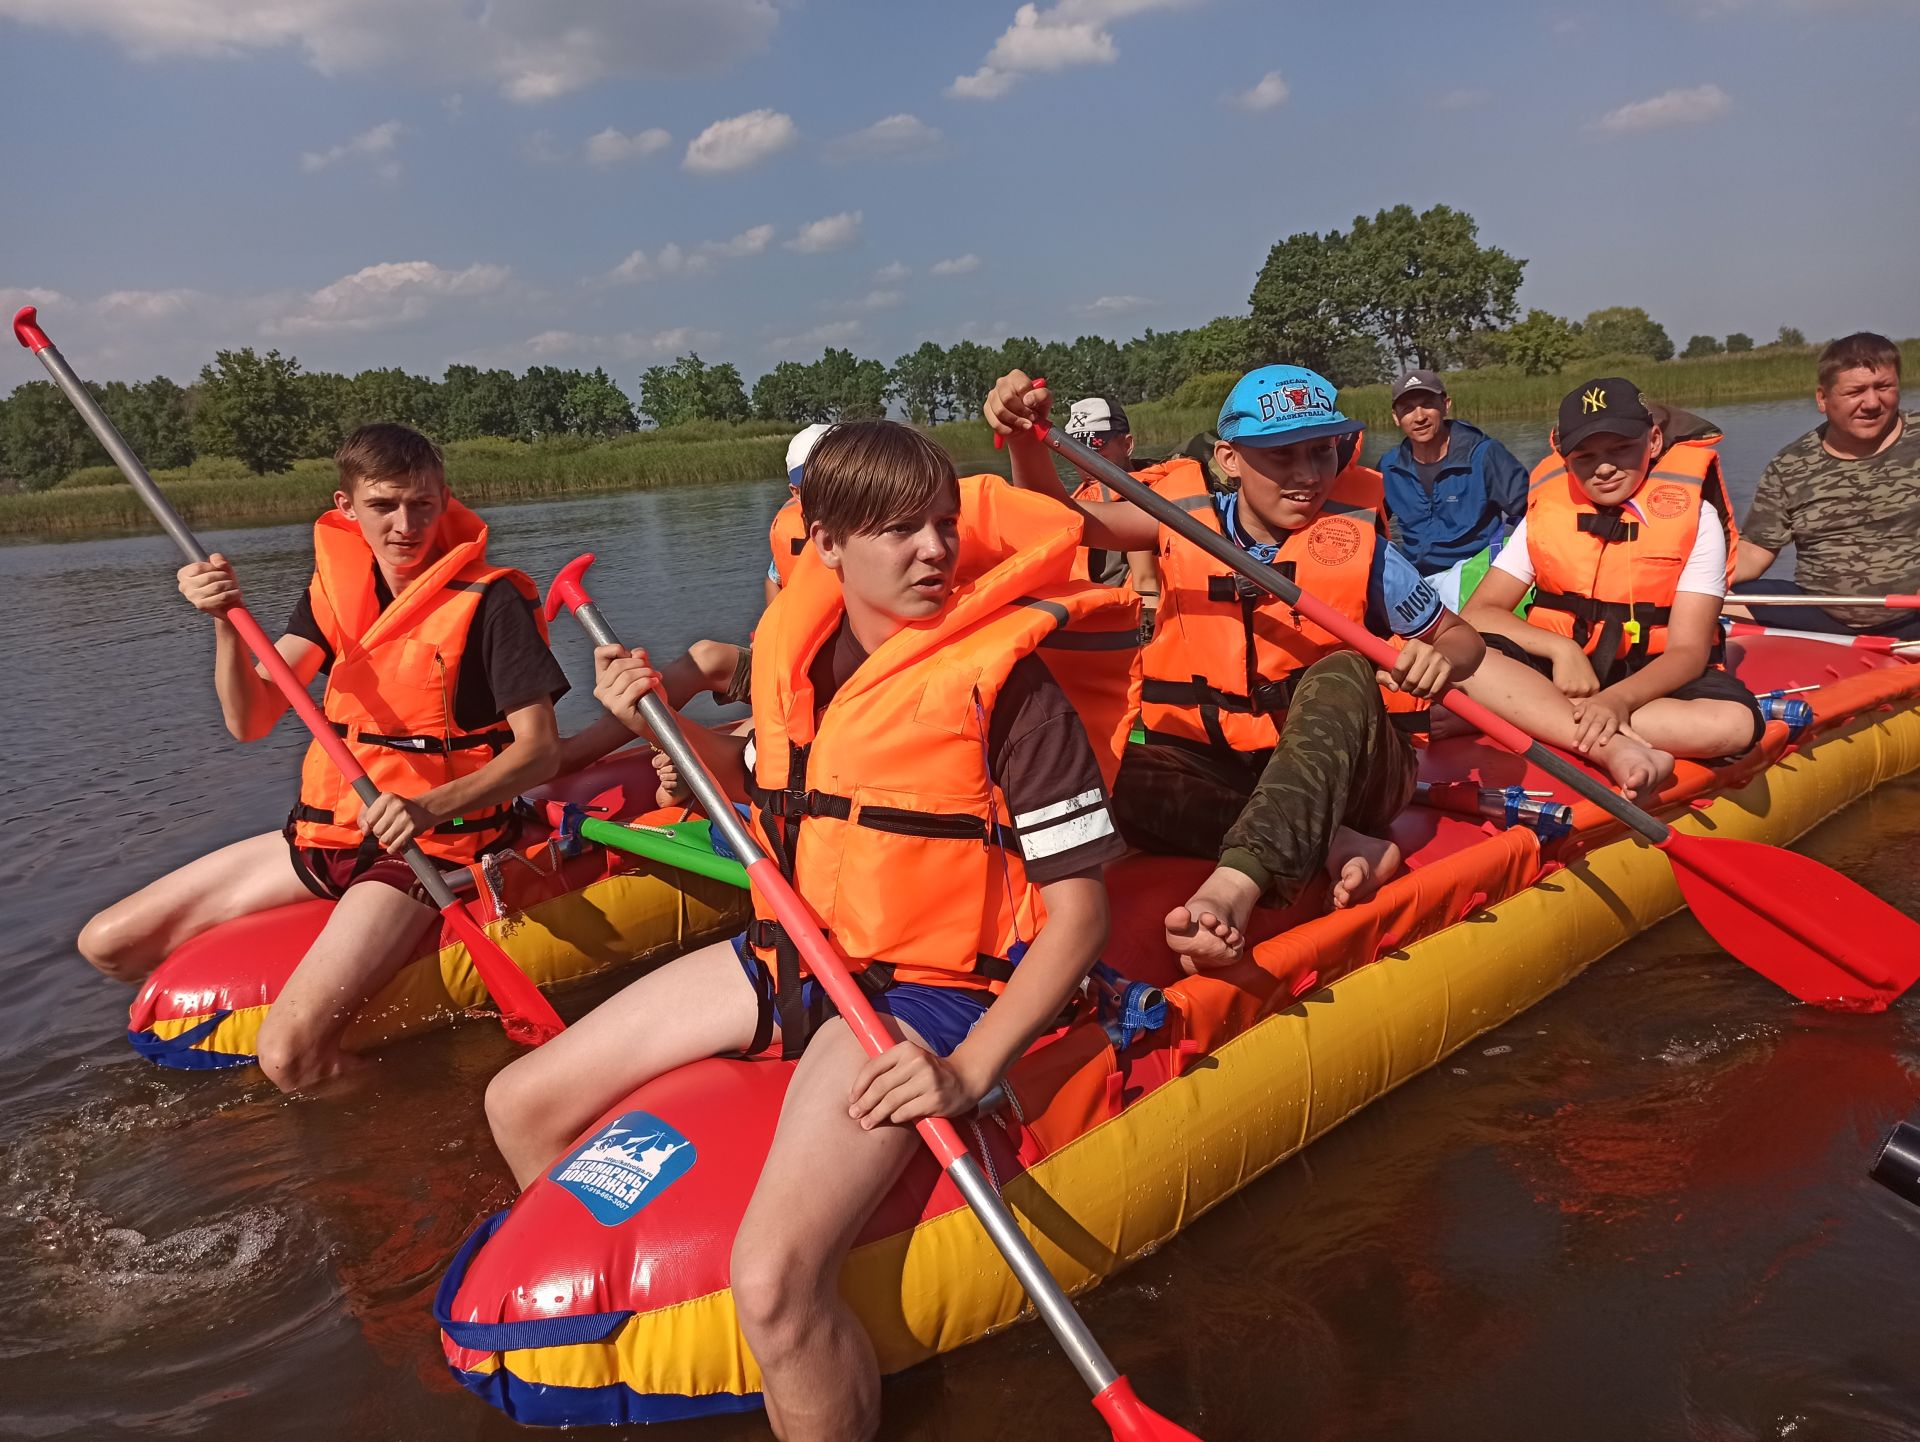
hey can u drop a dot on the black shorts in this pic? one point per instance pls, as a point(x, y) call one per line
point(1712, 684)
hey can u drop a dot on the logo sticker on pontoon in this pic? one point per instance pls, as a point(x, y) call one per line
point(624, 1166)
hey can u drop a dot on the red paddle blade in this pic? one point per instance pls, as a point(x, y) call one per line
point(525, 1013)
point(1800, 924)
point(1132, 1420)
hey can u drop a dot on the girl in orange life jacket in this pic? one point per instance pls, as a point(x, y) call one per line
point(438, 676)
point(1268, 744)
point(931, 791)
point(1630, 548)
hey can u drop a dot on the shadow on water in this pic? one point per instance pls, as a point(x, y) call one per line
point(1638, 1211)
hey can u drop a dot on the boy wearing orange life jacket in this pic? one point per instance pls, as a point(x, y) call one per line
point(931, 791)
point(1629, 540)
point(1268, 744)
point(439, 678)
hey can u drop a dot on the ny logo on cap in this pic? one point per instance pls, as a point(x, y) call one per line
point(1594, 400)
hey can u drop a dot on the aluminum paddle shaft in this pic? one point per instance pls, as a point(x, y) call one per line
point(524, 1012)
point(1803, 926)
point(1113, 1396)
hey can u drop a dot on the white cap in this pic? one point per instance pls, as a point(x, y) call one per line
point(800, 447)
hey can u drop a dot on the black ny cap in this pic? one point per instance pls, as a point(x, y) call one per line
point(1610, 406)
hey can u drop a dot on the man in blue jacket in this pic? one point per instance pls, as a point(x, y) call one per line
point(1453, 491)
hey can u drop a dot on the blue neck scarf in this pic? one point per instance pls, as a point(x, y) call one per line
point(1228, 506)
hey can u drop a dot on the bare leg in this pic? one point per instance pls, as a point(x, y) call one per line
point(134, 935)
point(1698, 727)
point(373, 930)
point(698, 1006)
point(823, 1177)
point(1534, 704)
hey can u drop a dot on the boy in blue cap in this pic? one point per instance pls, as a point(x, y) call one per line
point(1268, 743)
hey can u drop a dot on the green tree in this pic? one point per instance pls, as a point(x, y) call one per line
point(252, 407)
point(42, 437)
point(1699, 346)
point(540, 402)
point(975, 368)
point(788, 393)
point(692, 390)
point(1224, 343)
point(331, 411)
point(1739, 342)
point(1541, 344)
point(851, 389)
point(1306, 304)
point(154, 417)
point(1152, 363)
point(1789, 335)
point(476, 403)
point(923, 384)
point(394, 396)
point(1423, 281)
point(1625, 330)
point(596, 407)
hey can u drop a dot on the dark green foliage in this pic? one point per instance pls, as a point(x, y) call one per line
point(596, 407)
point(1739, 342)
point(1699, 346)
point(1625, 330)
point(477, 403)
point(1539, 345)
point(837, 387)
point(1423, 281)
point(253, 407)
point(42, 436)
point(1789, 335)
point(691, 390)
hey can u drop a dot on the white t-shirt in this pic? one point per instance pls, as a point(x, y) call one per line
point(1705, 572)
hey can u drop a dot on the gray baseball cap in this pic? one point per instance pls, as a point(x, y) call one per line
point(1418, 381)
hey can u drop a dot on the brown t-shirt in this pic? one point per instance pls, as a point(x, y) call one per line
point(1039, 756)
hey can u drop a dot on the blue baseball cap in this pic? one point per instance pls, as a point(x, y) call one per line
point(1281, 405)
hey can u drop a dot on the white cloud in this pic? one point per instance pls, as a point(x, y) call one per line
point(139, 305)
point(956, 265)
point(626, 345)
point(1066, 33)
point(1675, 107)
point(391, 293)
point(830, 232)
point(12, 297)
point(740, 143)
point(897, 136)
point(1268, 93)
point(834, 332)
point(1112, 305)
point(673, 259)
point(892, 273)
point(531, 50)
point(376, 145)
point(614, 147)
point(877, 299)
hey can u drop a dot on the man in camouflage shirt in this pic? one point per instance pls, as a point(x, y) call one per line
point(1847, 497)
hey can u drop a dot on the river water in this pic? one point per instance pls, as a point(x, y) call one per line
point(1638, 1211)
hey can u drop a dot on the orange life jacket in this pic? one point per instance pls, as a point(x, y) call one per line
point(1606, 577)
point(880, 809)
point(787, 538)
point(1221, 666)
point(391, 687)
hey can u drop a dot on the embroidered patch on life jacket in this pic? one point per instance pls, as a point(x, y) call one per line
point(624, 1166)
point(1333, 541)
point(1668, 501)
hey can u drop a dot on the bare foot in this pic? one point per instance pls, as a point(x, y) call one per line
point(1637, 768)
point(1209, 931)
point(1359, 865)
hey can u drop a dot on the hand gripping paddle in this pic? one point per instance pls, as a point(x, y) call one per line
point(524, 1012)
point(1130, 1418)
point(1803, 926)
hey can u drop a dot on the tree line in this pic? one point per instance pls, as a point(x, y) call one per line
point(1398, 288)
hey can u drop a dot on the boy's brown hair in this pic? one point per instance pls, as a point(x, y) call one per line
point(387, 452)
point(1863, 350)
point(864, 476)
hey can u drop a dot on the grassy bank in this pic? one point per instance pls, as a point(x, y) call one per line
point(217, 492)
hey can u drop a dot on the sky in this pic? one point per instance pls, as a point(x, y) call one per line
point(367, 183)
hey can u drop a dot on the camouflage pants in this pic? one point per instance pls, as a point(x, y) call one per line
point(1340, 762)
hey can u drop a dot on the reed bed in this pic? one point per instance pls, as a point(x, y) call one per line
point(218, 491)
